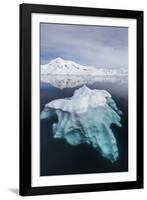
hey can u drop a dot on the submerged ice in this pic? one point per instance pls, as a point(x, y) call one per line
point(86, 117)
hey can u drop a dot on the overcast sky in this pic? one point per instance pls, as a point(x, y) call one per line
point(88, 45)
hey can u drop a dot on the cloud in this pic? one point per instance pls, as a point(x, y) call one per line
point(87, 45)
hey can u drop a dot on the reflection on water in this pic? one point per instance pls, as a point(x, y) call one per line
point(64, 81)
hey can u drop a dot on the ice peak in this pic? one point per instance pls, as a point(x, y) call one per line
point(84, 87)
point(81, 100)
point(82, 91)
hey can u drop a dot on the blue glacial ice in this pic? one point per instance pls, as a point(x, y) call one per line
point(86, 117)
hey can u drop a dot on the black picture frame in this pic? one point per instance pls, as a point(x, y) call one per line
point(25, 187)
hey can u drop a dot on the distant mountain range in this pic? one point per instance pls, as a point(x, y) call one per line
point(60, 66)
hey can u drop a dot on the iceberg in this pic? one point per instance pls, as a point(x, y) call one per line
point(86, 117)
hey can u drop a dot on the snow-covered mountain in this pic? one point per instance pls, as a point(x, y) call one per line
point(60, 66)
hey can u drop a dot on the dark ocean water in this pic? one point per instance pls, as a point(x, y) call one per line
point(57, 157)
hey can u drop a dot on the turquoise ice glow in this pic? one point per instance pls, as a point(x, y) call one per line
point(86, 117)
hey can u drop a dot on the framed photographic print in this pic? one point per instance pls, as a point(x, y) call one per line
point(81, 99)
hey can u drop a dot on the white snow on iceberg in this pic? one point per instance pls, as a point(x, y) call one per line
point(86, 117)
